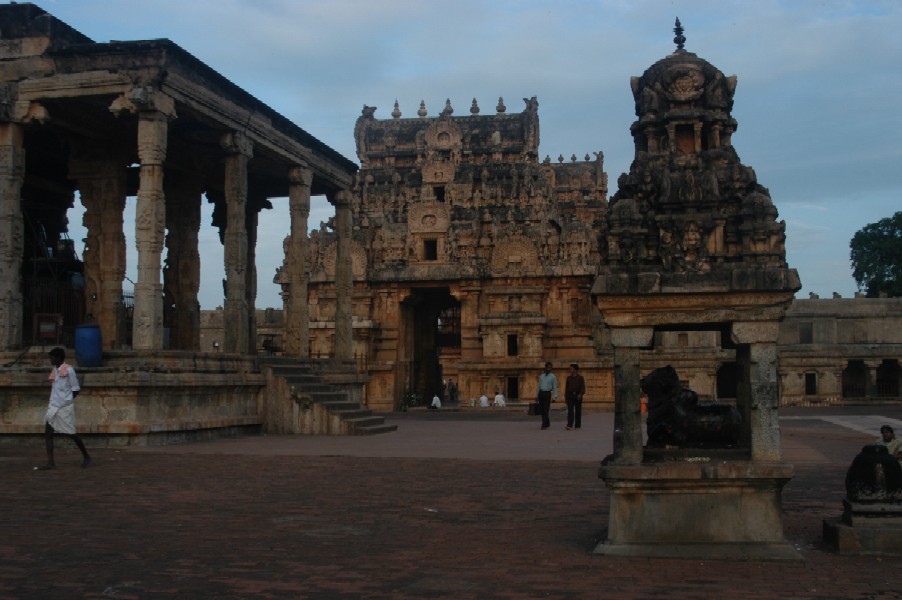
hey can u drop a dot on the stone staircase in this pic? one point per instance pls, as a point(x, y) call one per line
point(315, 406)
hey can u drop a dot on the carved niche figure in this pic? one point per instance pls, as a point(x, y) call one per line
point(693, 249)
point(666, 248)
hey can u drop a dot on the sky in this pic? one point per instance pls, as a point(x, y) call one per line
point(817, 99)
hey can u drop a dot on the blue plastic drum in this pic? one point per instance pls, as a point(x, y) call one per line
point(88, 345)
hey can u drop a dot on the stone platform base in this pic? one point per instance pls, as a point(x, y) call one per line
point(867, 529)
point(704, 510)
point(737, 551)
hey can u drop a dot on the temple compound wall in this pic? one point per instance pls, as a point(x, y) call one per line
point(841, 350)
point(830, 351)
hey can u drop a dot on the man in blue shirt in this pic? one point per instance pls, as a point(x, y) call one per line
point(547, 394)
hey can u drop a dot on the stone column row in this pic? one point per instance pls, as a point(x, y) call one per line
point(101, 181)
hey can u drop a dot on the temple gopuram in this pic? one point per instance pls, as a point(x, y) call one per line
point(472, 260)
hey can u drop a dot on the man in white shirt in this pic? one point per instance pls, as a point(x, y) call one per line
point(60, 416)
point(436, 402)
point(499, 399)
point(484, 401)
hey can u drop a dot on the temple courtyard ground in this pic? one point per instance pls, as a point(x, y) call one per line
point(452, 505)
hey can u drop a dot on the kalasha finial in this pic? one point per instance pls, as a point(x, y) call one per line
point(679, 39)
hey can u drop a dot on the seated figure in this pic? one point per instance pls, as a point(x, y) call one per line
point(677, 418)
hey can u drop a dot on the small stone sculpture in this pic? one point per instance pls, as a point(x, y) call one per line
point(874, 476)
point(676, 418)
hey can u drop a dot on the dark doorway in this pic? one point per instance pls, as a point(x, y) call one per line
point(855, 380)
point(727, 380)
point(888, 375)
point(811, 384)
point(429, 343)
point(513, 388)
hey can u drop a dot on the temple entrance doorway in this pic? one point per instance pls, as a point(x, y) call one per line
point(429, 349)
point(513, 388)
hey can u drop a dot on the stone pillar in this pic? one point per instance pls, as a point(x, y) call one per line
point(344, 283)
point(759, 388)
point(296, 336)
point(181, 275)
point(250, 283)
point(150, 224)
point(102, 187)
point(237, 335)
point(12, 240)
point(627, 404)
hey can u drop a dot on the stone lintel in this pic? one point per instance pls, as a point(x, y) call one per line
point(689, 309)
point(755, 332)
point(85, 83)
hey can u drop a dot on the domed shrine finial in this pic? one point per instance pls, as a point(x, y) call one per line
point(679, 39)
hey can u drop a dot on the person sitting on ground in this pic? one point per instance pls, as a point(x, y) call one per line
point(888, 438)
point(436, 402)
point(499, 399)
point(484, 401)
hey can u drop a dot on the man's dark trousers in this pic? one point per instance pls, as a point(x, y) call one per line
point(574, 412)
point(544, 407)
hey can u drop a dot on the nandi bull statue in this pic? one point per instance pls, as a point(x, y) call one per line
point(677, 418)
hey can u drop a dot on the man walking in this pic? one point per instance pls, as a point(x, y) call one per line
point(573, 394)
point(61, 409)
point(547, 394)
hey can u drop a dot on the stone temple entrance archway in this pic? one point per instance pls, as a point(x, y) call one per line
point(430, 342)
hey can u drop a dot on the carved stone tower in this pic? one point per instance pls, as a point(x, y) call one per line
point(693, 245)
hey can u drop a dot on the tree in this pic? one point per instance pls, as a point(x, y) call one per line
point(877, 257)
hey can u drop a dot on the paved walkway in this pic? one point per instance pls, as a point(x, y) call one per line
point(449, 506)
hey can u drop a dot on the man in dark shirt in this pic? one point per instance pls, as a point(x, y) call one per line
point(574, 390)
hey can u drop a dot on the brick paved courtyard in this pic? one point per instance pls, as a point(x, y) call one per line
point(449, 506)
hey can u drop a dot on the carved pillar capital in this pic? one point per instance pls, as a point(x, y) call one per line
point(300, 175)
point(341, 199)
point(632, 337)
point(149, 99)
point(235, 142)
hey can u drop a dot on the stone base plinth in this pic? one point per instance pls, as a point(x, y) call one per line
point(697, 510)
point(140, 398)
point(871, 529)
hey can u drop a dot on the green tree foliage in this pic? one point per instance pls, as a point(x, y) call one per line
point(877, 257)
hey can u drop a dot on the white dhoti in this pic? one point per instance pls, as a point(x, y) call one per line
point(62, 418)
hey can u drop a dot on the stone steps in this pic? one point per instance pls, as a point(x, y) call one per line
point(332, 411)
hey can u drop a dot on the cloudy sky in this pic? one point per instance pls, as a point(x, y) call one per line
point(817, 100)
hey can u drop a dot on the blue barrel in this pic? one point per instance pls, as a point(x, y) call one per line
point(88, 345)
